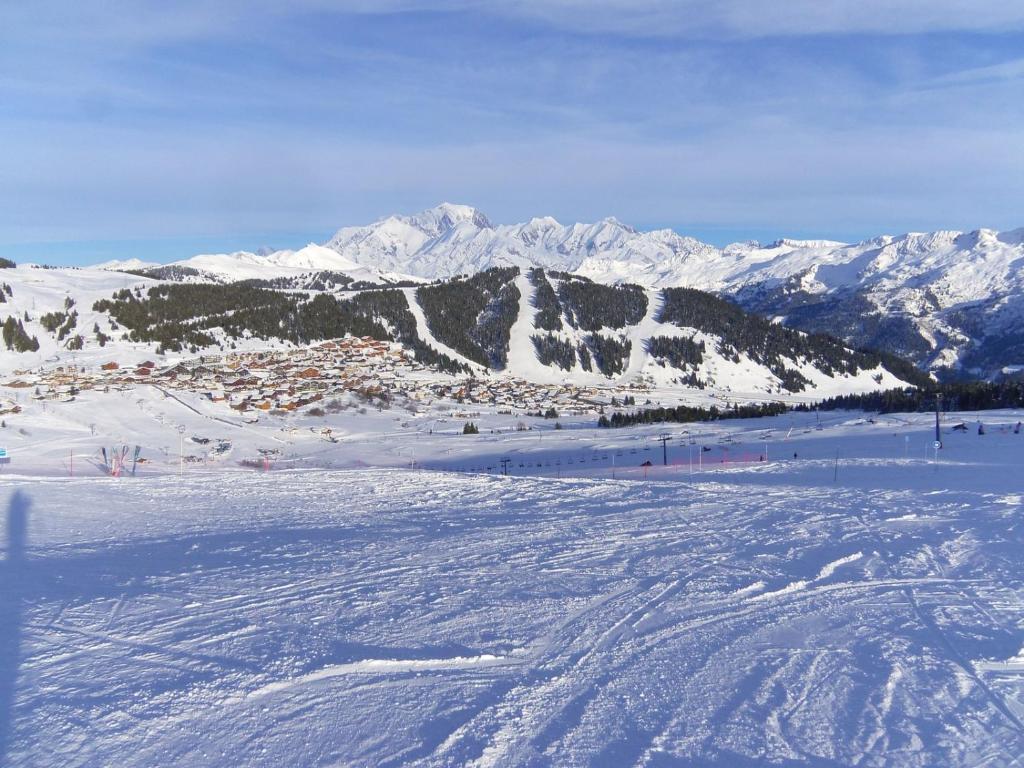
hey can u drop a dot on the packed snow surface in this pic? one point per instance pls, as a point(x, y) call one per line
point(791, 596)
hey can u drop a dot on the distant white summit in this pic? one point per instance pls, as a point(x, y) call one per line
point(451, 239)
point(125, 265)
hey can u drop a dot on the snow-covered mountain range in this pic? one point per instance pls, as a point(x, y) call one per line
point(944, 299)
point(503, 322)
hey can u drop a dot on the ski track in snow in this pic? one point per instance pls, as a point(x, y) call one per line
point(385, 617)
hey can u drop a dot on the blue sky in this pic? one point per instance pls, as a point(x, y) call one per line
point(138, 129)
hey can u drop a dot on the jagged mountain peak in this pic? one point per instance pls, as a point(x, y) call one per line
point(441, 218)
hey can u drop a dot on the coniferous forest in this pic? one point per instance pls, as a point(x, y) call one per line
point(549, 310)
point(955, 396)
point(592, 306)
point(474, 315)
point(683, 414)
point(611, 355)
point(182, 315)
point(551, 350)
point(16, 339)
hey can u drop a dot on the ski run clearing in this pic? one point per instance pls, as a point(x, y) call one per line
point(803, 592)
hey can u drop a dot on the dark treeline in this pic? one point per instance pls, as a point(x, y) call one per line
point(681, 353)
point(166, 272)
point(549, 310)
point(592, 306)
point(182, 315)
point(390, 305)
point(974, 396)
point(15, 337)
point(325, 280)
point(584, 353)
point(683, 414)
point(610, 354)
point(966, 396)
point(474, 315)
point(552, 350)
point(321, 280)
point(677, 351)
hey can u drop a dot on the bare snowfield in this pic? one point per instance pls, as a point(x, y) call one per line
point(725, 612)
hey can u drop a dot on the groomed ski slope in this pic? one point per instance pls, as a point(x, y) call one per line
point(760, 614)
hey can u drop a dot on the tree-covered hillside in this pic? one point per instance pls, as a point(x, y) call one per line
point(846, 315)
point(552, 350)
point(549, 310)
point(474, 315)
point(390, 305)
point(178, 316)
point(768, 343)
point(592, 306)
point(610, 354)
point(183, 315)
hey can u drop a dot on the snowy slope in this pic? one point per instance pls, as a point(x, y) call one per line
point(37, 291)
point(123, 265)
point(747, 614)
point(245, 265)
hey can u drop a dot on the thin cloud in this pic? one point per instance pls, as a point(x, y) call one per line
point(995, 73)
point(759, 19)
point(146, 22)
point(128, 120)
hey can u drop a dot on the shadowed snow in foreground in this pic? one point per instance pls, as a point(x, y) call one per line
point(384, 617)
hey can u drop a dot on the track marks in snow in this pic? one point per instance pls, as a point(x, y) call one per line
point(383, 667)
point(750, 589)
point(383, 618)
point(829, 568)
point(795, 586)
